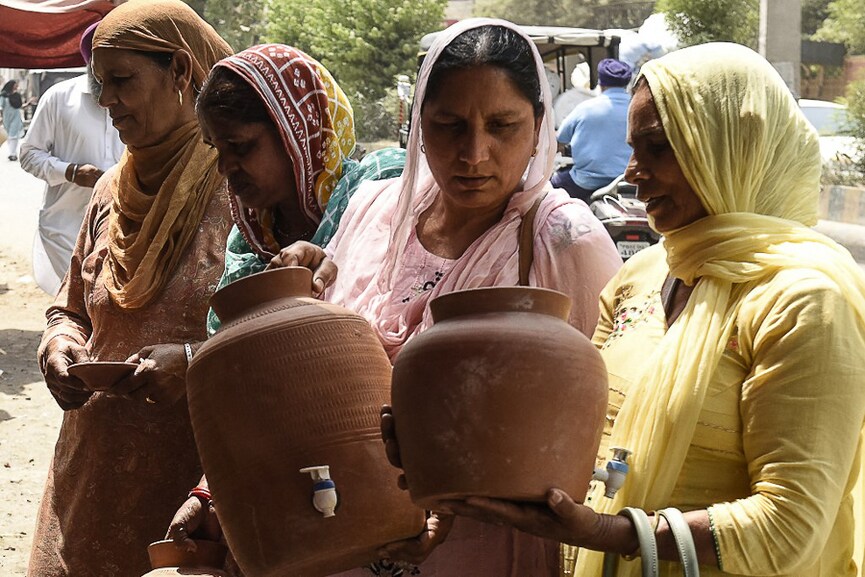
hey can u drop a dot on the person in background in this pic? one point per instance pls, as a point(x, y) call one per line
point(70, 143)
point(579, 92)
point(147, 259)
point(596, 132)
point(11, 108)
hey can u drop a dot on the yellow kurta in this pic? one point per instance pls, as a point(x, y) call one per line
point(773, 453)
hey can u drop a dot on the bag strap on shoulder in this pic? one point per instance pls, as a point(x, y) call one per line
point(527, 240)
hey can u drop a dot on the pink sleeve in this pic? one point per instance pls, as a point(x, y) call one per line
point(575, 255)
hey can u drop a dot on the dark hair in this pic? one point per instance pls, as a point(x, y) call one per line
point(226, 95)
point(491, 45)
point(9, 87)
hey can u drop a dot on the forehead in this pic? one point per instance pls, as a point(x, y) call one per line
point(222, 126)
point(643, 116)
point(486, 85)
point(108, 59)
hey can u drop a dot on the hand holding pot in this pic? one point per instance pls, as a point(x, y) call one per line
point(391, 446)
point(160, 376)
point(197, 519)
point(302, 253)
point(57, 354)
point(560, 518)
point(417, 549)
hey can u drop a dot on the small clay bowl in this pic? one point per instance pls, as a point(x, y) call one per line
point(101, 375)
point(207, 554)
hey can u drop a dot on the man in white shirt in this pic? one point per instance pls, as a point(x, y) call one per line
point(70, 143)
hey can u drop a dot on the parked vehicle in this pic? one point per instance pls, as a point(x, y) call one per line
point(624, 216)
point(837, 144)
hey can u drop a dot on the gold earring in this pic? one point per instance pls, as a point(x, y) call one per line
point(180, 94)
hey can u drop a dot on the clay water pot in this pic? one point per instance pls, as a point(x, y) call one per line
point(167, 559)
point(292, 383)
point(500, 398)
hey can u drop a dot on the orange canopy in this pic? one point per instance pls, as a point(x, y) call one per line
point(45, 33)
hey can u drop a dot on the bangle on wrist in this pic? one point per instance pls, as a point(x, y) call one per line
point(188, 349)
point(74, 172)
point(202, 493)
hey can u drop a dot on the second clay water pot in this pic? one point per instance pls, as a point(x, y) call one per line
point(500, 398)
point(285, 403)
point(170, 560)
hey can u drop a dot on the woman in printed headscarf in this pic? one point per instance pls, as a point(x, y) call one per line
point(284, 131)
point(735, 349)
point(477, 173)
point(148, 257)
point(307, 190)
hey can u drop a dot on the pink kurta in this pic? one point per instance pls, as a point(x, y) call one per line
point(572, 253)
point(121, 468)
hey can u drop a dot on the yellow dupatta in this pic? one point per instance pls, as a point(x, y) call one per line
point(754, 162)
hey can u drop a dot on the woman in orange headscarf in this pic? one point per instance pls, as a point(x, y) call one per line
point(148, 256)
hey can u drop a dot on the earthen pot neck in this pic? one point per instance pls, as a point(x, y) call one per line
point(233, 300)
point(501, 299)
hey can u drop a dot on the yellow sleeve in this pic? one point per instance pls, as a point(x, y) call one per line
point(802, 409)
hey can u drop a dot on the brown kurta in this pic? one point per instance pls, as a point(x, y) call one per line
point(121, 468)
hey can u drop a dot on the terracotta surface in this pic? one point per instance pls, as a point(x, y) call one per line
point(167, 554)
point(101, 375)
point(185, 572)
point(292, 382)
point(501, 397)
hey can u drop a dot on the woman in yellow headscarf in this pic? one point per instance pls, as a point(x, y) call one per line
point(735, 349)
point(149, 255)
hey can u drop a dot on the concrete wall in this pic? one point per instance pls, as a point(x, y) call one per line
point(842, 204)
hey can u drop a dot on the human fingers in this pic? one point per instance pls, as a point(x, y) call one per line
point(561, 504)
point(132, 386)
point(186, 520)
point(87, 175)
point(144, 353)
point(324, 275)
point(68, 391)
point(417, 549)
point(300, 253)
point(388, 435)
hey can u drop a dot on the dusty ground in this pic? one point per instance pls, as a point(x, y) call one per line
point(29, 418)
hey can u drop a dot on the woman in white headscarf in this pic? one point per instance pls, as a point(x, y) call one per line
point(735, 349)
point(478, 163)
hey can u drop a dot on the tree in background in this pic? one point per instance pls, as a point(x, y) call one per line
point(698, 21)
point(856, 104)
point(241, 24)
point(364, 43)
point(576, 13)
point(846, 24)
point(814, 12)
